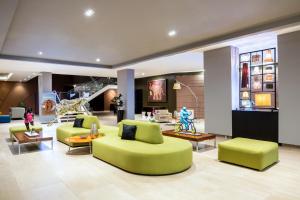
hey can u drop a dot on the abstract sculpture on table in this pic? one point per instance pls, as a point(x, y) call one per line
point(184, 118)
point(185, 123)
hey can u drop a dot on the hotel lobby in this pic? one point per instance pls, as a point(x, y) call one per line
point(149, 100)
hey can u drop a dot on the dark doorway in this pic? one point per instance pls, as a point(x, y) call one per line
point(97, 104)
point(138, 101)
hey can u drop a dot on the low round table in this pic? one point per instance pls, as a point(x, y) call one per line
point(82, 139)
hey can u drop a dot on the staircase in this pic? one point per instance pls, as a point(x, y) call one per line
point(86, 92)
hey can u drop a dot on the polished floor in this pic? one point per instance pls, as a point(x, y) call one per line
point(42, 173)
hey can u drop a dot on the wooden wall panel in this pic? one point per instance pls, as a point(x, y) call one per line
point(184, 96)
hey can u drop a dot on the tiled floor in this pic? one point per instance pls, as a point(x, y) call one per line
point(52, 174)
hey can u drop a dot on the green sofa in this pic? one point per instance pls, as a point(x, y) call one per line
point(67, 130)
point(22, 128)
point(150, 154)
point(250, 153)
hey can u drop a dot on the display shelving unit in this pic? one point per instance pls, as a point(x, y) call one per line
point(260, 67)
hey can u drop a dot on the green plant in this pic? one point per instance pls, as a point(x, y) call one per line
point(22, 104)
point(118, 102)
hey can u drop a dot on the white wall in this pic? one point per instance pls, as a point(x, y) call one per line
point(289, 88)
point(126, 88)
point(220, 89)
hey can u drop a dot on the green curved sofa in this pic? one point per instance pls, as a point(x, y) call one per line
point(67, 130)
point(150, 154)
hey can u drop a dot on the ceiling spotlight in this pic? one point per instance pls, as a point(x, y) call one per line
point(89, 12)
point(40, 53)
point(143, 74)
point(98, 59)
point(172, 33)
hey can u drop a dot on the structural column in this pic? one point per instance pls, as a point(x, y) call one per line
point(45, 85)
point(126, 88)
point(220, 89)
point(289, 87)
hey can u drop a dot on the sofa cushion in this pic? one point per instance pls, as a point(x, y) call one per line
point(146, 131)
point(128, 132)
point(89, 120)
point(78, 123)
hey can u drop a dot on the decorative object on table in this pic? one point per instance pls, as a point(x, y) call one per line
point(31, 133)
point(268, 56)
point(263, 100)
point(157, 90)
point(186, 124)
point(94, 130)
point(177, 86)
point(245, 76)
point(119, 103)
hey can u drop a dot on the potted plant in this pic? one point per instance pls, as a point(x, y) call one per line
point(118, 102)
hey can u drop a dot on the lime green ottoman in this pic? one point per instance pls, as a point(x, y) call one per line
point(250, 153)
point(22, 128)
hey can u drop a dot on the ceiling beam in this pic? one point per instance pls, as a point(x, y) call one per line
point(53, 61)
point(243, 32)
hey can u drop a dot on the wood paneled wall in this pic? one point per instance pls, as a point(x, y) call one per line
point(12, 93)
point(108, 96)
point(184, 96)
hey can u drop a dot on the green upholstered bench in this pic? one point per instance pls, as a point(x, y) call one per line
point(22, 128)
point(250, 153)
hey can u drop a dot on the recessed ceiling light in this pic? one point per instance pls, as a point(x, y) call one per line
point(143, 74)
point(98, 59)
point(40, 53)
point(89, 12)
point(172, 33)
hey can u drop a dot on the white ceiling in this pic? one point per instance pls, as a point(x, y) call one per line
point(124, 30)
point(190, 61)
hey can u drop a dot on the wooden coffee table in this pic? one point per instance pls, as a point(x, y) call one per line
point(198, 137)
point(21, 138)
point(81, 140)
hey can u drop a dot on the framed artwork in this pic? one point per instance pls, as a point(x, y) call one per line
point(48, 107)
point(157, 90)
